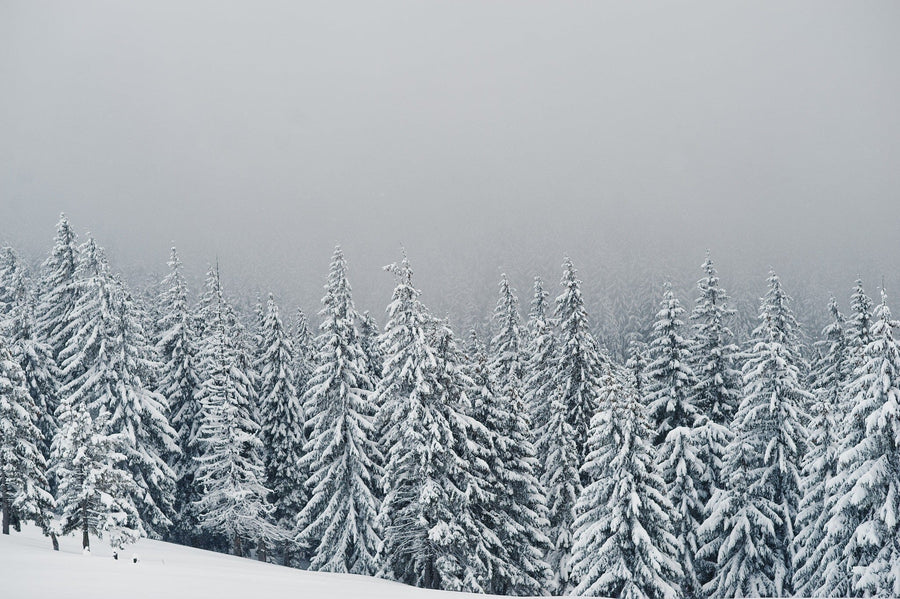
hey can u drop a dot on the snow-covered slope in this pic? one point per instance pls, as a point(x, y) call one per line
point(30, 569)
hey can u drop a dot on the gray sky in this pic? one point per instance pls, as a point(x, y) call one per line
point(482, 135)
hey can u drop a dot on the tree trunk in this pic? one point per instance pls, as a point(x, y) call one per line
point(85, 539)
point(4, 505)
point(261, 551)
point(55, 541)
point(286, 554)
point(237, 546)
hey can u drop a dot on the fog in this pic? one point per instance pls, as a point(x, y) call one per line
point(483, 136)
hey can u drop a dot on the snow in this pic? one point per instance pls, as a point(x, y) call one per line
point(171, 571)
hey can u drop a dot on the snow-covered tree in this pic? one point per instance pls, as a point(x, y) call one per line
point(425, 508)
point(12, 271)
point(24, 492)
point(740, 534)
point(304, 352)
point(34, 357)
point(820, 463)
point(864, 529)
point(178, 383)
point(859, 327)
point(579, 363)
point(340, 520)
point(624, 546)
point(637, 367)
point(521, 498)
point(670, 380)
point(368, 340)
point(281, 420)
point(716, 393)
point(562, 481)
point(772, 417)
point(541, 360)
point(230, 466)
point(110, 365)
point(95, 487)
point(57, 290)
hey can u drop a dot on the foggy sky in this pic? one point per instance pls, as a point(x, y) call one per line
point(484, 136)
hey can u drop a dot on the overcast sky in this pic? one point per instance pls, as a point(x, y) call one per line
point(482, 135)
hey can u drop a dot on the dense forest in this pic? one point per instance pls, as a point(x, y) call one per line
point(688, 448)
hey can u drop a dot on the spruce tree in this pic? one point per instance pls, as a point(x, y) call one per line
point(670, 380)
point(772, 416)
point(540, 362)
point(521, 500)
point(624, 546)
point(24, 492)
point(230, 470)
point(739, 535)
point(57, 291)
point(425, 509)
point(95, 487)
point(820, 463)
point(579, 364)
point(368, 340)
point(863, 530)
point(179, 383)
point(716, 393)
point(340, 520)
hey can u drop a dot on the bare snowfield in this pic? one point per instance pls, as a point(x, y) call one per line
point(30, 569)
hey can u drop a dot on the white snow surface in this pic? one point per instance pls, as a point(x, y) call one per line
point(30, 569)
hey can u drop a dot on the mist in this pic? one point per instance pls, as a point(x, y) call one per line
point(484, 137)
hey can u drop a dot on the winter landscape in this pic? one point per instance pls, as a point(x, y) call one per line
point(426, 299)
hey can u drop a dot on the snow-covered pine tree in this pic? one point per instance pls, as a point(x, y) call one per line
point(864, 529)
point(110, 365)
point(230, 470)
point(637, 367)
point(281, 422)
point(94, 486)
point(56, 290)
point(423, 514)
point(772, 418)
point(35, 358)
point(670, 380)
point(12, 271)
point(829, 377)
point(623, 546)
point(716, 393)
point(540, 363)
point(179, 383)
point(24, 492)
point(739, 535)
point(368, 340)
point(340, 520)
point(579, 364)
point(562, 482)
point(521, 502)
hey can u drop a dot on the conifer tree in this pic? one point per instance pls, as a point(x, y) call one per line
point(368, 340)
point(579, 364)
point(57, 289)
point(863, 530)
point(425, 508)
point(179, 383)
point(739, 535)
point(109, 365)
point(340, 520)
point(95, 487)
point(540, 362)
point(35, 358)
point(281, 420)
point(716, 393)
point(230, 467)
point(772, 416)
point(12, 271)
point(624, 546)
point(562, 482)
point(820, 463)
point(670, 380)
point(24, 492)
point(521, 498)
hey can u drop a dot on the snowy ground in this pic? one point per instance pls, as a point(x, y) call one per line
point(30, 569)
